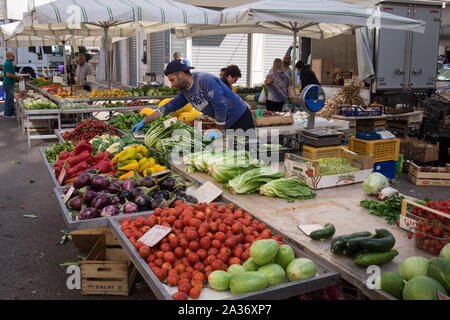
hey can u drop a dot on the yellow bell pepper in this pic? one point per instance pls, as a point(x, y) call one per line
point(142, 161)
point(142, 150)
point(157, 168)
point(164, 101)
point(126, 175)
point(128, 154)
point(149, 163)
point(128, 165)
point(186, 108)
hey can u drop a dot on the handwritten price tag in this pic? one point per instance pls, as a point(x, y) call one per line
point(208, 192)
point(68, 194)
point(61, 176)
point(57, 79)
point(308, 228)
point(154, 235)
point(169, 121)
point(407, 224)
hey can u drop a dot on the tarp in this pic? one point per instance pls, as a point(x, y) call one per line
point(364, 51)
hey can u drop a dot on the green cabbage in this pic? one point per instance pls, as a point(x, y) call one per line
point(287, 188)
point(250, 181)
point(375, 183)
point(330, 166)
point(225, 166)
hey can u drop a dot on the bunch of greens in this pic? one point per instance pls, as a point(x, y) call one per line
point(38, 104)
point(198, 160)
point(250, 181)
point(229, 164)
point(127, 120)
point(53, 153)
point(288, 188)
point(330, 166)
point(390, 208)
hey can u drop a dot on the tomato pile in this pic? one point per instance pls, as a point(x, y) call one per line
point(432, 230)
point(204, 238)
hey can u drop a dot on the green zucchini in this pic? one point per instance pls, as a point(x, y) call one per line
point(382, 241)
point(338, 244)
point(322, 234)
point(375, 258)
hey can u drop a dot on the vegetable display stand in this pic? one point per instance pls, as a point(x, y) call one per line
point(50, 167)
point(107, 270)
point(309, 170)
point(429, 234)
point(381, 150)
point(72, 220)
point(429, 176)
point(324, 278)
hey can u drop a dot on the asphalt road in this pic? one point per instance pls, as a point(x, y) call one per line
point(30, 255)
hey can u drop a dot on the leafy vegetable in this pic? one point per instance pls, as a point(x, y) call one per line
point(227, 165)
point(288, 188)
point(330, 166)
point(375, 183)
point(250, 181)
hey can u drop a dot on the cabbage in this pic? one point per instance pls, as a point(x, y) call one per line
point(375, 183)
point(288, 188)
point(413, 267)
point(225, 166)
point(250, 181)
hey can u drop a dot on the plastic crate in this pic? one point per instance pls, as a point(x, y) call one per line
point(386, 168)
point(357, 111)
point(314, 153)
point(381, 150)
point(368, 135)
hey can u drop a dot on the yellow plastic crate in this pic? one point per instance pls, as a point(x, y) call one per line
point(314, 153)
point(381, 150)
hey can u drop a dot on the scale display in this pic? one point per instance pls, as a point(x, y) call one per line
point(312, 99)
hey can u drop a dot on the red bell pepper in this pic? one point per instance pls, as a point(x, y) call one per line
point(80, 167)
point(64, 155)
point(85, 155)
point(83, 146)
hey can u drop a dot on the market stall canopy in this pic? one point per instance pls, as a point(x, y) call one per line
point(319, 19)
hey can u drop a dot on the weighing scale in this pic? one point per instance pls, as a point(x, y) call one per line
point(312, 99)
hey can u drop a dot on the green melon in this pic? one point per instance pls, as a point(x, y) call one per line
point(392, 283)
point(422, 288)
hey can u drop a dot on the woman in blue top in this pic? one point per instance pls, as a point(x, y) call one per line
point(206, 93)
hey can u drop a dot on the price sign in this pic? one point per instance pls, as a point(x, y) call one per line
point(90, 79)
point(58, 79)
point(138, 135)
point(308, 228)
point(61, 176)
point(407, 224)
point(154, 235)
point(169, 121)
point(68, 194)
point(208, 192)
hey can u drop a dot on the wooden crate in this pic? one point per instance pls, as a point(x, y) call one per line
point(85, 239)
point(273, 121)
point(440, 179)
point(423, 153)
point(107, 271)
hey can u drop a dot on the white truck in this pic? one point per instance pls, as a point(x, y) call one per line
point(35, 61)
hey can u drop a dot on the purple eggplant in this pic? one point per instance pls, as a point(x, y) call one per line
point(110, 211)
point(88, 213)
point(88, 196)
point(100, 183)
point(114, 187)
point(76, 203)
point(147, 181)
point(115, 200)
point(128, 184)
point(90, 171)
point(82, 181)
point(130, 207)
point(100, 201)
point(168, 184)
point(143, 202)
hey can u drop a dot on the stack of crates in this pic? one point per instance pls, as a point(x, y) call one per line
point(385, 153)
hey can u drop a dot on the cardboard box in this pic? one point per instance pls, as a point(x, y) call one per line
point(309, 170)
point(285, 120)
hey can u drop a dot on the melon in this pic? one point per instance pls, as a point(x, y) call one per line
point(392, 283)
point(422, 288)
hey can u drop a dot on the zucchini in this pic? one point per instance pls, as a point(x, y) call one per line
point(382, 241)
point(375, 258)
point(322, 234)
point(338, 244)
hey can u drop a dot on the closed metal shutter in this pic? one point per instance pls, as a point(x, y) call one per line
point(275, 46)
point(157, 53)
point(212, 53)
point(118, 62)
point(132, 72)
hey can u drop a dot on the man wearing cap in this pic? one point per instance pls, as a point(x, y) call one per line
point(206, 93)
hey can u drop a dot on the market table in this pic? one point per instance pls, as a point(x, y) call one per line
point(339, 206)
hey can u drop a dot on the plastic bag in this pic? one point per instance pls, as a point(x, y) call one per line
point(262, 97)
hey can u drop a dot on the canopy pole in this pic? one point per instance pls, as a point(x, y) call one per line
point(294, 55)
point(65, 61)
point(136, 33)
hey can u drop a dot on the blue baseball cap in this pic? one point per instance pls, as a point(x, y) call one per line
point(175, 66)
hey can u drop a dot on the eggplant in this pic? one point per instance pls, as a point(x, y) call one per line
point(100, 201)
point(154, 194)
point(90, 171)
point(180, 194)
point(76, 203)
point(125, 194)
point(143, 202)
point(163, 194)
point(168, 184)
point(100, 183)
point(115, 200)
point(114, 187)
point(81, 181)
point(156, 203)
point(128, 184)
point(147, 181)
point(130, 207)
point(110, 210)
point(88, 213)
point(88, 196)
point(137, 191)
point(181, 187)
point(191, 199)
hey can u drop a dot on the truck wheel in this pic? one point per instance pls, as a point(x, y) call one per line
point(30, 71)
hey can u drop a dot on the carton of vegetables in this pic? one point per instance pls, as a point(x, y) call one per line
point(345, 168)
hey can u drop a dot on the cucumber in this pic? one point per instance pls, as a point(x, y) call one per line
point(338, 244)
point(382, 241)
point(322, 234)
point(377, 258)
